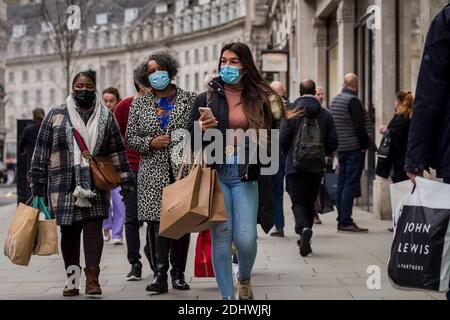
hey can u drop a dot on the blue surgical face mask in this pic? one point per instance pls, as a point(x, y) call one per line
point(159, 80)
point(230, 74)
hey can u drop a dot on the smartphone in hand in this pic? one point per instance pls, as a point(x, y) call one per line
point(206, 113)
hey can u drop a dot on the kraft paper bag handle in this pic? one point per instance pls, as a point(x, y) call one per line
point(196, 163)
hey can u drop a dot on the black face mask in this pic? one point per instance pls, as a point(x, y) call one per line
point(84, 98)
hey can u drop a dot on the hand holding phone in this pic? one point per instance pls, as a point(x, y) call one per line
point(206, 113)
point(207, 119)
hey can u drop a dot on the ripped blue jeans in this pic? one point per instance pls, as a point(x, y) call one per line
point(241, 202)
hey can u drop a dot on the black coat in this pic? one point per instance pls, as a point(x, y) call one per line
point(429, 138)
point(289, 129)
point(28, 142)
point(398, 133)
point(219, 106)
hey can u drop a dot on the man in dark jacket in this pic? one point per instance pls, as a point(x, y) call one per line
point(303, 186)
point(349, 116)
point(28, 139)
point(429, 135)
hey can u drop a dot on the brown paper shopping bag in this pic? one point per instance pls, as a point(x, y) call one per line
point(47, 235)
point(217, 210)
point(22, 234)
point(179, 201)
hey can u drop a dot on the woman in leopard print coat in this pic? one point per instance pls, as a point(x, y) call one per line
point(153, 119)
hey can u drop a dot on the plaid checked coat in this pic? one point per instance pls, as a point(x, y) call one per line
point(52, 165)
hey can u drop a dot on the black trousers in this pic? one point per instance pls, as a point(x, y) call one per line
point(303, 188)
point(162, 248)
point(132, 226)
point(92, 243)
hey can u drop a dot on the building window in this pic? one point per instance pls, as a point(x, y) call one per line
point(51, 74)
point(205, 54)
point(187, 57)
point(196, 56)
point(25, 76)
point(46, 27)
point(38, 74)
point(19, 30)
point(38, 97)
point(101, 18)
point(215, 52)
point(131, 14)
point(197, 82)
point(186, 82)
point(25, 97)
point(52, 95)
point(11, 77)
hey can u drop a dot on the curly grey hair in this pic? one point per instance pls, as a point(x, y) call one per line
point(140, 75)
point(167, 60)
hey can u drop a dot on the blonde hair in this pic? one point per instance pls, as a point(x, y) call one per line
point(406, 103)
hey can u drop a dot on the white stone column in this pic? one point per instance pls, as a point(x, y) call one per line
point(306, 41)
point(320, 36)
point(197, 19)
point(346, 21)
point(187, 21)
point(206, 16)
point(385, 91)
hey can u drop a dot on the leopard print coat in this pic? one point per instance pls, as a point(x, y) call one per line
point(154, 167)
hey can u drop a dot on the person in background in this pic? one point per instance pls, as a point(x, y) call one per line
point(28, 140)
point(429, 135)
point(398, 130)
point(60, 173)
point(132, 224)
point(319, 97)
point(303, 185)
point(113, 226)
point(153, 118)
point(278, 179)
point(111, 97)
point(350, 118)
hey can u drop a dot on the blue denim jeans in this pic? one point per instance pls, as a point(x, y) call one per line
point(241, 202)
point(278, 194)
point(351, 165)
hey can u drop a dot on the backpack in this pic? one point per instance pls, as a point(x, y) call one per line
point(309, 150)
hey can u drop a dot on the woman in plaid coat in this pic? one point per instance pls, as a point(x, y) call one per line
point(61, 174)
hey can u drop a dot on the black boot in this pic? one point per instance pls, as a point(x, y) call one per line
point(178, 259)
point(159, 284)
point(159, 253)
point(178, 281)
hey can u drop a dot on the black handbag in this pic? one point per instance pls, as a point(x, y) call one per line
point(385, 146)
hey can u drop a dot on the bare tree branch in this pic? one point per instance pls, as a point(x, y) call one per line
point(54, 14)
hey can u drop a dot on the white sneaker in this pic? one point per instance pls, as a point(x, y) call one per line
point(106, 237)
point(117, 241)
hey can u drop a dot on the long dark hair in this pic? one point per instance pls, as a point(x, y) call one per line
point(256, 90)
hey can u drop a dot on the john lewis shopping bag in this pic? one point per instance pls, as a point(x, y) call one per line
point(420, 253)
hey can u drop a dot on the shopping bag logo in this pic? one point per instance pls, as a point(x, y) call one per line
point(417, 250)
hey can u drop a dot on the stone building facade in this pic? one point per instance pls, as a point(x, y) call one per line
point(383, 45)
point(120, 33)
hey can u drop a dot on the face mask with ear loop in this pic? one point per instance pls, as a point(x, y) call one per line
point(159, 80)
point(231, 75)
